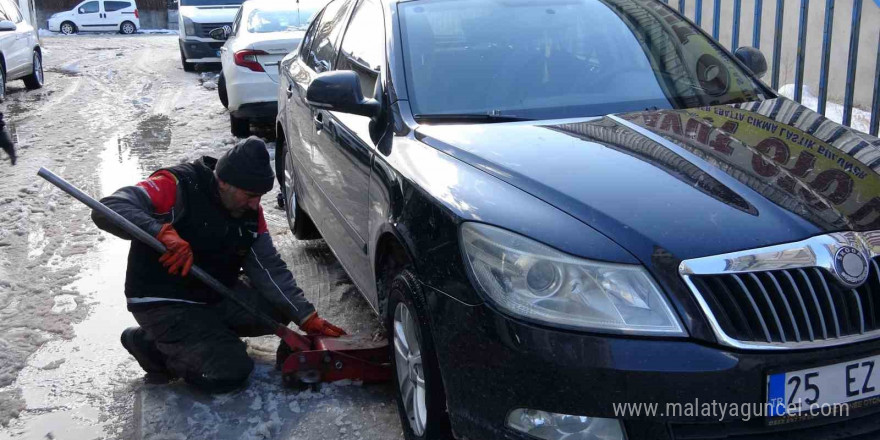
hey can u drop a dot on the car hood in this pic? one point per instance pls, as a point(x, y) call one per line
point(689, 183)
point(210, 14)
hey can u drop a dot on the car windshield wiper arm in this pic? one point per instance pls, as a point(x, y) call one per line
point(470, 117)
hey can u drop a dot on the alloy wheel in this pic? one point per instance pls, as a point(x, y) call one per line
point(38, 68)
point(66, 28)
point(410, 372)
point(127, 28)
point(289, 190)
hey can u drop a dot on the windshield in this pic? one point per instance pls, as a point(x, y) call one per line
point(562, 58)
point(277, 20)
point(210, 2)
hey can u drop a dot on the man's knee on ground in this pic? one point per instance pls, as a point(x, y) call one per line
point(223, 377)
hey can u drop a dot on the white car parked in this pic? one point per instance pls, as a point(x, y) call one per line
point(98, 15)
point(263, 32)
point(19, 49)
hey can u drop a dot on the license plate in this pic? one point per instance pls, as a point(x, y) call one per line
point(815, 392)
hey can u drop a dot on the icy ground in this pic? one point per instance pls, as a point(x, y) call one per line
point(114, 108)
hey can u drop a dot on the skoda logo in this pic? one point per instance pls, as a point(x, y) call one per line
point(850, 266)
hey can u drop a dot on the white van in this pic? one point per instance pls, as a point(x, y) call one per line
point(196, 19)
point(98, 15)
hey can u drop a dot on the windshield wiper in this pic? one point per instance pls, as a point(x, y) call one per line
point(470, 117)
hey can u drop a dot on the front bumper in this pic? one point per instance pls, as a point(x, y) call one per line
point(201, 51)
point(492, 364)
point(54, 25)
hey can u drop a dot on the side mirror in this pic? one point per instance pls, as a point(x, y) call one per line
point(81, 10)
point(753, 59)
point(341, 91)
point(219, 34)
point(7, 25)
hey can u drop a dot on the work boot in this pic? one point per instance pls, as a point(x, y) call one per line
point(134, 339)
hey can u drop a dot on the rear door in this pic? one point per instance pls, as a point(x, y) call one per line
point(113, 13)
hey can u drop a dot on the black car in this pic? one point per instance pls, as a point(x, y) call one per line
point(585, 219)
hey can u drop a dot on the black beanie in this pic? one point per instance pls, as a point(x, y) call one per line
point(246, 166)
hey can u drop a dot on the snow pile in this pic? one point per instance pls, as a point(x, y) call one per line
point(209, 80)
point(70, 69)
point(860, 119)
point(47, 33)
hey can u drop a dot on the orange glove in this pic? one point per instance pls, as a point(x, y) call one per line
point(178, 256)
point(315, 325)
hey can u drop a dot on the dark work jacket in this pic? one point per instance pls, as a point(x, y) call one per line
point(219, 241)
point(222, 246)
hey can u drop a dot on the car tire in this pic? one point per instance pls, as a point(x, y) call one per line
point(68, 28)
point(187, 67)
point(127, 28)
point(300, 223)
point(221, 90)
point(421, 399)
point(240, 127)
point(35, 79)
point(2, 83)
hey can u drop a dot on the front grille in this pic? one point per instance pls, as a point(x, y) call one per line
point(204, 29)
point(803, 304)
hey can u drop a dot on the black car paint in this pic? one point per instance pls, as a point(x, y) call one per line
point(369, 182)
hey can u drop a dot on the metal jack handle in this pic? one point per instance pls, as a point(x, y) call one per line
point(293, 339)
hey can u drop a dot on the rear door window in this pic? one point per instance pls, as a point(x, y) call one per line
point(115, 6)
point(324, 49)
point(363, 48)
point(89, 8)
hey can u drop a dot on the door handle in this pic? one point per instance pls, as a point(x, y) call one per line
point(319, 121)
point(289, 91)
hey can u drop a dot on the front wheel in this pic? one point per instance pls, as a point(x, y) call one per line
point(421, 400)
point(127, 28)
point(187, 67)
point(35, 79)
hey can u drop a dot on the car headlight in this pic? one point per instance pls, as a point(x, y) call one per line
point(531, 280)
point(188, 27)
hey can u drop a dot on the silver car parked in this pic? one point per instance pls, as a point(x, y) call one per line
point(20, 53)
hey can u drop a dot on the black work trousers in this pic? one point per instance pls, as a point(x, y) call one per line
point(201, 343)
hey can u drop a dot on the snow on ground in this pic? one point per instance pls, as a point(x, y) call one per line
point(114, 109)
point(860, 119)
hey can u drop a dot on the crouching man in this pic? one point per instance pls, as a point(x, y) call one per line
point(206, 213)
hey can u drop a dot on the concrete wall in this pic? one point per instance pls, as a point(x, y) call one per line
point(868, 40)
